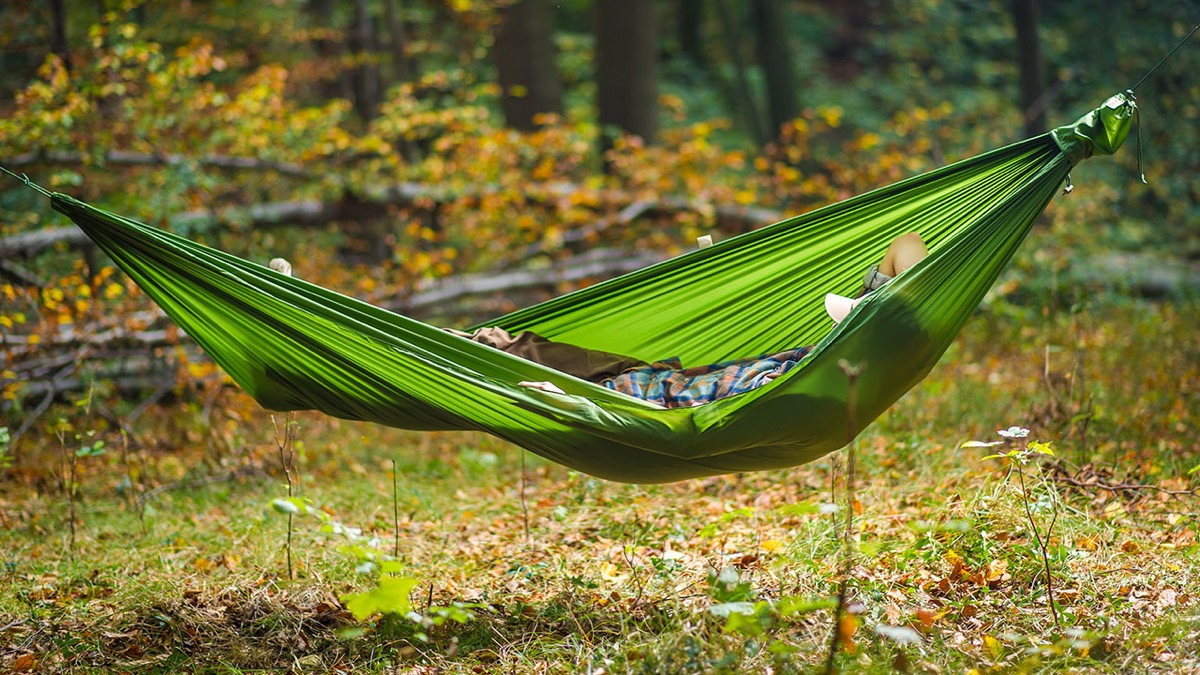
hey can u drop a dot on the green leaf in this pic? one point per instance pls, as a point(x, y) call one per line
point(725, 609)
point(798, 509)
point(790, 605)
point(1041, 448)
point(289, 505)
point(391, 597)
point(748, 623)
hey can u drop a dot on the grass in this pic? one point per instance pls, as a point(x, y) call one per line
point(622, 578)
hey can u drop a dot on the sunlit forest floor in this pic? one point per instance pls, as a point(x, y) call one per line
point(179, 562)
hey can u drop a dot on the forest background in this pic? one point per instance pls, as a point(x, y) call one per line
point(456, 159)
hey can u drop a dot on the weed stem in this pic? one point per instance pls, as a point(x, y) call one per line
point(852, 373)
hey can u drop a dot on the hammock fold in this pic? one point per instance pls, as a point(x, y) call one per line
point(293, 345)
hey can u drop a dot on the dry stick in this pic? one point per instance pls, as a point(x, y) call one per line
point(524, 506)
point(133, 502)
point(395, 512)
point(1122, 487)
point(852, 373)
point(634, 575)
point(1042, 543)
point(286, 457)
point(70, 468)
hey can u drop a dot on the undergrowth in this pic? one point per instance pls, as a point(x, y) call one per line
point(180, 562)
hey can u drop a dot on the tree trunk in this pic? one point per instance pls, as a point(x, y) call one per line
point(744, 101)
point(627, 68)
point(1031, 66)
point(691, 17)
point(58, 38)
point(336, 83)
point(524, 57)
point(776, 61)
point(842, 55)
point(402, 66)
point(366, 74)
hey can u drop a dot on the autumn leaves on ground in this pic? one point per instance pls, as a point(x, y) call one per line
point(179, 559)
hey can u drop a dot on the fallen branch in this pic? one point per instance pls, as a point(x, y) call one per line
point(1096, 481)
point(380, 203)
point(601, 263)
point(126, 358)
point(127, 158)
point(19, 275)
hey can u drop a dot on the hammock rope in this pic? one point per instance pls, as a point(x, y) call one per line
point(293, 345)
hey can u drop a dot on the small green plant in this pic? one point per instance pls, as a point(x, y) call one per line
point(285, 442)
point(88, 446)
point(1017, 459)
point(5, 458)
point(735, 602)
point(390, 597)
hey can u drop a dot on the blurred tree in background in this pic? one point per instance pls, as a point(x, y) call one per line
point(412, 140)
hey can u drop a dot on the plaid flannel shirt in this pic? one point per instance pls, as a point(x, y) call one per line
point(670, 385)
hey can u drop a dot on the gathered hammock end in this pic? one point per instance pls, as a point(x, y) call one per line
point(1101, 131)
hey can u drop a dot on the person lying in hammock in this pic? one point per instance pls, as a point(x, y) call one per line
point(667, 382)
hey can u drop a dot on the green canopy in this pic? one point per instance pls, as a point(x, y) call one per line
point(296, 346)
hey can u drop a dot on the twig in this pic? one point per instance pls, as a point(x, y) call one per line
point(133, 502)
point(633, 573)
point(852, 373)
point(52, 390)
point(287, 457)
point(1121, 487)
point(395, 512)
point(1042, 543)
point(149, 401)
point(524, 506)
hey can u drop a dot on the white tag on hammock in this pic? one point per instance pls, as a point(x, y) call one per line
point(544, 386)
point(704, 241)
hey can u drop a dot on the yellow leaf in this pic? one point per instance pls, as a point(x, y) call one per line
point(23, 663)
point(993, 646)
point(846, 628)
point(996, 569)
point(772, 545)
point(35, 339)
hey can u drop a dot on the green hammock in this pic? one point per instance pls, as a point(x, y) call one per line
point(296, 346)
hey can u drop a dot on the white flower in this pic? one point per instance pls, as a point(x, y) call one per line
point(1014, 432)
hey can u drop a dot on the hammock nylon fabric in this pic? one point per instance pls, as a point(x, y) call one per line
point(293, 345)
